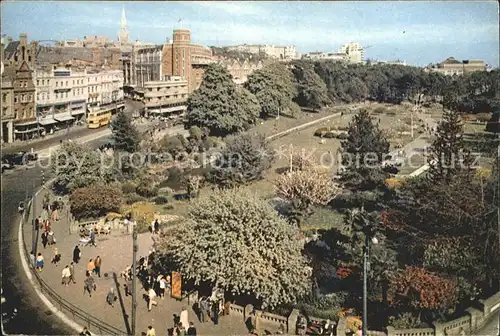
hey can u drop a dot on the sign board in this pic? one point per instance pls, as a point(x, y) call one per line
point(176, 282)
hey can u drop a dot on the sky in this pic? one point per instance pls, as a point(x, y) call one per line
point(418, 32)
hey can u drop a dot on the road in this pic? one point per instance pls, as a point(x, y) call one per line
point(33, 316)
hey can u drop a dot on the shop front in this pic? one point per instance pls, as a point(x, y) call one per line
point(27, 130)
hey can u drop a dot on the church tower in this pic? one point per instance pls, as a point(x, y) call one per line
point(123, 36)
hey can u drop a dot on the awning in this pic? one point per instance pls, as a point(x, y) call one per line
point(27, 123)
point(47, 121)
point(168, 109)
point(27, 131)
point(63, 117)
point(78, 112)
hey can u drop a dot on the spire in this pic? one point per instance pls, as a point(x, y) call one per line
point(123, 35)
point(124, 19)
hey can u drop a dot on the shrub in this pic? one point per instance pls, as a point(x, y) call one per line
point(342, 136)
point(142, 212)
point(404, 321)
point(168, 207)
point(329, 135)
point(133, 198)
point(128, 187)
point(342, 128)
point(380, 110)
point(164, 191)
point(161, 199)
point(390, 113)
point(321, 131)
point(95, 200)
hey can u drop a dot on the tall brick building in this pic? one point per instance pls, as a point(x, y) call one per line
point(185, 59)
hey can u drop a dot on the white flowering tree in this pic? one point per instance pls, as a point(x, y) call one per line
point(237, 242)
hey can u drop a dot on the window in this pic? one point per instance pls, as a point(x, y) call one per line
point(37, 82)
point(37, 96)
point(66, 83)
point(57, 83)
point(57, 95)
point(30, 98)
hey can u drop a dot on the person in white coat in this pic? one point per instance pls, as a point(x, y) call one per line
point(184, 318)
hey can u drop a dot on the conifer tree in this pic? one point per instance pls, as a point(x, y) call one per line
point(362, 155)
point(448, 156)
point(125, 135)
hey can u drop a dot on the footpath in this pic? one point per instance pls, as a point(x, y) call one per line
point(116, 253)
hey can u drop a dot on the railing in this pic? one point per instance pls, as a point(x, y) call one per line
point(91, 322)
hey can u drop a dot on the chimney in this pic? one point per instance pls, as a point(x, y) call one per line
point(23, 38)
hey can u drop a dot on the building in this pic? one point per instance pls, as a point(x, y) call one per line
point(276, 52)
point(79, 56)
point(451, 66)
point(18, 59)
point(354, 51)
point(319, 55)
point(104, 90)
point(61, 97)
point(123, 35)
point(397, 62)
point(147, 66)
point(167, 98)
point(240, 71)
point(8, 116)
point(182, 58)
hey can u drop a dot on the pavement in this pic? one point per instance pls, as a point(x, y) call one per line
point(116, 252)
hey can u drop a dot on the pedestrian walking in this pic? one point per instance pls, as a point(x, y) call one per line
point(111, 297)
point(151, 331)
point(89, 284)
point(57, 257)
point(50, 238)
point(66, 275)
point(157, 226)
point(39, 262)
point(191, 331)
point(184, 318)
point(151, 298)
point(72, 272)
point(45, 239)
point(91, 266)
point(92, 238)
point(76, 254)
point(163, 286)
point(85, 331)
point(97, 264)
point(32, 258)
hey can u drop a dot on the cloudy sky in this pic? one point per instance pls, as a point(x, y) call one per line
point(418, 32)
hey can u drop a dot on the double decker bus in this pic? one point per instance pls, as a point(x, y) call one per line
point(98, 119)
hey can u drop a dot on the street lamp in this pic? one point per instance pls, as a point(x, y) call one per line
point(134, 267)
point(366, 268)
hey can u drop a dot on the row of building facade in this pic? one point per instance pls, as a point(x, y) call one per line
point(41, 94)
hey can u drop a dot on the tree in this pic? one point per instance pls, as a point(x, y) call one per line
point(274, 89)
point(125, 135)
point(76, 166)
point(173, 144)
point(218, 105)
point(192, 184)
point(304, 188)
point(237, 242)
point(95, 200)
point(494, 123)
point(244, 159)
point(362, 154)
point(312, 91)
point(448, 155)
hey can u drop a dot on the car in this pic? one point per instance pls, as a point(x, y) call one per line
point(20, 208)
point(6, 165)
point(8, 312)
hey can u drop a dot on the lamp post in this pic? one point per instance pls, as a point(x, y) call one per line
point(366, 269)
point(134, 267)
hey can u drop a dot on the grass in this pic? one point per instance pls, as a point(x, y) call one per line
point(323, 218)
point(471, 127)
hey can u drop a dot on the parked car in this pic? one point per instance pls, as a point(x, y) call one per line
point(6, 164)
point(20, 208)
point(8, 312)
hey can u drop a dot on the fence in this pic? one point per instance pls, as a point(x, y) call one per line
point(79, 316)
point(475, 319)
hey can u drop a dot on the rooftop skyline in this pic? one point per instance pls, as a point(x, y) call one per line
point(418, 32)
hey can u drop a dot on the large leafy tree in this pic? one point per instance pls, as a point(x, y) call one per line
point(219, 106)
point(237, 242)
point(362, 154)
point(448, 155)
point(76, 166)
point(274, 89)
point(312, 91)
point(95, 200)
point(244, 160)
point(125, 135)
